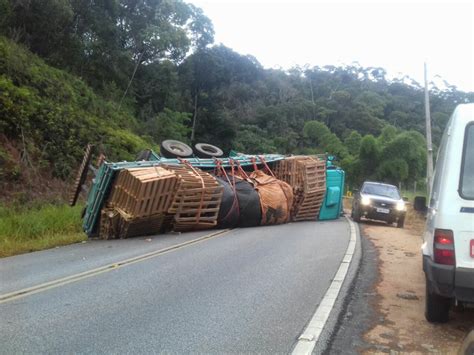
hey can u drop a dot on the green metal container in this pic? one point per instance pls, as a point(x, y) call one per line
point(332, 205)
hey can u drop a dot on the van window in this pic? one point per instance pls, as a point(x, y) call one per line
point(466, 187)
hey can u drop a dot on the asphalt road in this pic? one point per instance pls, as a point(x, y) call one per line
point(250, 290)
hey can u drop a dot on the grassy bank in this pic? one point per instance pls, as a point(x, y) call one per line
point(44, 227)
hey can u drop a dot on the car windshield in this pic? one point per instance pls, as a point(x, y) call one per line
point(381, 190)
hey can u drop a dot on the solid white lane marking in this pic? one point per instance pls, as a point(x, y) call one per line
point(100, 270)
point(310, 336)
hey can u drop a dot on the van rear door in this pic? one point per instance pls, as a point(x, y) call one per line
point(464, 240)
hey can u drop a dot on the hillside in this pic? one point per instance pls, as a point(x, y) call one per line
point(48, 116)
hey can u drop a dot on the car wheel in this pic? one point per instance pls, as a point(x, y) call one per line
point(355, 214)
point(401, 222)
point(204, 150)
point(175, 149)
point(436, 306)
point(468, 344)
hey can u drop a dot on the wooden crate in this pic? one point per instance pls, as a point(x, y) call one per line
point(109, 224)
point(197, 200)
point(307, 209)
point(133, 227)
point(307, 176)
point(144, 192)
point(116, 223)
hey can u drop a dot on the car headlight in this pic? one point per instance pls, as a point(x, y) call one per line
point(365, 201)
point(400, 206)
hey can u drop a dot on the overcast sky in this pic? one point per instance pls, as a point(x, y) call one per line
point(396, 36)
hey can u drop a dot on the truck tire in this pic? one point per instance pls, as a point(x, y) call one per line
point(355, 214)
point(175, 149)
point(436, 306)
point(204, 150)
point(401, 222)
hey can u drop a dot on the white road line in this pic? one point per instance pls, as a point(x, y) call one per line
point(114, 266)
point(310, 336)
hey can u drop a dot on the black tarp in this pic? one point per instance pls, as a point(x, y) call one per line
point(245, 213)
point(228, 216)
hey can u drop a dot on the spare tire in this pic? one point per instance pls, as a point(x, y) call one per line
point(175, 149)
point(204, 150)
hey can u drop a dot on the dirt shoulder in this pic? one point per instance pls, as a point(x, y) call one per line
point(401, 296)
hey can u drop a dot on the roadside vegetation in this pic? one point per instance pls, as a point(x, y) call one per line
point(38, 228)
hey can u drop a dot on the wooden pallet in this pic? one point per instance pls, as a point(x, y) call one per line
point(116, 223)
point(109, 224)
point(197, 200)
point(144, 192)
point(81, 176)
point(307, 176)
point(308, 207)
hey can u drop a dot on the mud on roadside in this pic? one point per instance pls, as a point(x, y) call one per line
point(401, 295)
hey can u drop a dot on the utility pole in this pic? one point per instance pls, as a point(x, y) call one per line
point(429, 147)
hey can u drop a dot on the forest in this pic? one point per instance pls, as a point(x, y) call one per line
point(127, 74)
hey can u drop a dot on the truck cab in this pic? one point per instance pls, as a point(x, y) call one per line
point(448, 240)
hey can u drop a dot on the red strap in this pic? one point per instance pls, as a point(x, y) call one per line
point(254, 162)
point(267, 168)
point(241, 171)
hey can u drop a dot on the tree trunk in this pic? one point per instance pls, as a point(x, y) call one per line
point(312, 98)
point(194, 116)
point(131, 79)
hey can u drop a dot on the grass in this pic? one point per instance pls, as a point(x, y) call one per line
point(39, 228)
point(410, 194)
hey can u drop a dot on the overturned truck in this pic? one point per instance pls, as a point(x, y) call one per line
point(158, 194)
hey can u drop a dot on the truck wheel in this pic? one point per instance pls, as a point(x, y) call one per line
point(175, 149)
point(401, 222)
point(204, 150)
point(436, 306)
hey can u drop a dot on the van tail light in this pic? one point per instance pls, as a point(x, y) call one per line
point(444, 247)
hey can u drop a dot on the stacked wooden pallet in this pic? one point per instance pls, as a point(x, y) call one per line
point(138, 202)
point(307, 176)
point(197, 200)
point(115, 223)
point(144, 192)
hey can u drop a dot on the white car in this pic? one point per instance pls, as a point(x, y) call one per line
point(448, 248)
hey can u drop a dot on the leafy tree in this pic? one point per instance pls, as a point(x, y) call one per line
point(369, 155)
point(168, 125)
point(253, 140)
point(393, 171)
point(409, 146)
point(320, 136)
point(388, 134)
point(352, 142)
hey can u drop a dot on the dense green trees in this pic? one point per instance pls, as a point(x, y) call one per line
point(148, 68)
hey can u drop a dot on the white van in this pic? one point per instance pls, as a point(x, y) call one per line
point(448, 248)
